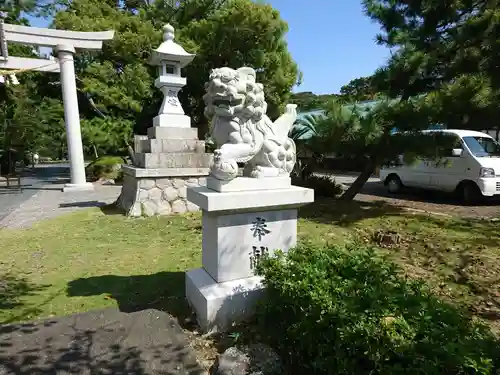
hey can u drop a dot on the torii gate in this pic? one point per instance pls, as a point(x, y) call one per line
point(65, 43)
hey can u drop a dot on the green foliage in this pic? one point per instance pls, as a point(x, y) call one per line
point(51, 132)
point(449, 49)
point(18, 118)
point(344, 310)
point(221, 33)
point(307, 155)
point(307, 101)
point(239, 33)
point(305, 127)
point(15, 10)
point(359, 89)
point(106, 135)
point(323, 186)
point(118, 77)
point(348, 132)
point(106, 167)
point(117, 96)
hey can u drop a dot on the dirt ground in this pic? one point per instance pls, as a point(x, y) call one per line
point(427, 201)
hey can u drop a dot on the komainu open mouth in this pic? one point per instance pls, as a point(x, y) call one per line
point(226, 102)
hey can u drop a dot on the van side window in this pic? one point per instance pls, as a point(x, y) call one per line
point(457, 144)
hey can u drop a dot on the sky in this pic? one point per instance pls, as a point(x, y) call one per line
point(332, 42)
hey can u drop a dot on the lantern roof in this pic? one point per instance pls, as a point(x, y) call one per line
point(169, 50)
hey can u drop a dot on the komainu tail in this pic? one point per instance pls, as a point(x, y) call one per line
point(283, 125)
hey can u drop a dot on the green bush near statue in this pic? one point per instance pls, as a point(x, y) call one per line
point(346, 310)
point(105, 168)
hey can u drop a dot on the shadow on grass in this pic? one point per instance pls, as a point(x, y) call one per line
point(86, 204)
point(146, 342)
point(342, 213)
point(163, 291)
point(112, 209)
point(106, 208)
point(13, 290)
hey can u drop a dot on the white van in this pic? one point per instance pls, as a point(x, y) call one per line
point(472, 169)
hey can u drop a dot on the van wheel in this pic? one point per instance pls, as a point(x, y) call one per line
point(469, 193)
point(394, 184)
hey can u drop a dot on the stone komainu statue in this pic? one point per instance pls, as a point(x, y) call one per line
point(241, 129)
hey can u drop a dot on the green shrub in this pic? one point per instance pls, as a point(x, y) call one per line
point(105, 167)
point(323, 186)
point(343, 310)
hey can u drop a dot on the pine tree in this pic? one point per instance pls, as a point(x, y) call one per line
point(447, 48)
point(444, 71)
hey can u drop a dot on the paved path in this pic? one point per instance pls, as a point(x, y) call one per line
point(148, 342)
point(32, 181)
point(49, 201)
point(42, 197)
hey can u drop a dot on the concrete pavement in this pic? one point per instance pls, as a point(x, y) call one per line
point(32, 181)
point(42, 197)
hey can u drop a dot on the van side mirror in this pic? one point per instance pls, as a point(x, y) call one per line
point(456, 152)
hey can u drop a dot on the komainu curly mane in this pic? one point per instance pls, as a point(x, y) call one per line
point(238, 85)
point(236, 104)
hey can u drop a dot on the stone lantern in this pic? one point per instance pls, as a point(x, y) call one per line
point(170, 58)
point(170, 157)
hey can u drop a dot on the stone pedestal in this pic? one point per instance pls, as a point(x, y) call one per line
point(180, 120)
point(239, 226)
point(168, 160)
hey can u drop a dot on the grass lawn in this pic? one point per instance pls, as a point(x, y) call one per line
point(94, 259)
point(91, 260)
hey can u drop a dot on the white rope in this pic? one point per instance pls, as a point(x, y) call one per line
point(17, 71)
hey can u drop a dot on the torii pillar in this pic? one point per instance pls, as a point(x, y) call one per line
point(72, 120)
point(65, 43)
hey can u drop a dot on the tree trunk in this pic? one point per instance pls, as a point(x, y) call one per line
point(203, 129)
point(358, 184)
point(131, 153)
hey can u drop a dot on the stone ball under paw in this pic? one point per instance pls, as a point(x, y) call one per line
point(225, 170)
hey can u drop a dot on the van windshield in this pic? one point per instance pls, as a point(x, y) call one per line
point(482, 146)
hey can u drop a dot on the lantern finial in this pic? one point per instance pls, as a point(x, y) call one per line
point(168, 33)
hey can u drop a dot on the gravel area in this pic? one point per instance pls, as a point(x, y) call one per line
point(419, 200)
point(434, 202)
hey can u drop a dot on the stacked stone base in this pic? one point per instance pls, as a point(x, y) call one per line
point(156, 195)
point(168, 160)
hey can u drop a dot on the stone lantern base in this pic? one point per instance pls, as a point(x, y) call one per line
point(168, 160)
